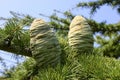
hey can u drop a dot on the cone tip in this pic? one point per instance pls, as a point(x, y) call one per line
point(79, 18)
point(38, 20)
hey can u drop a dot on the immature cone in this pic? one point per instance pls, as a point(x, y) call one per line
point(44, 45)
point(80, 35)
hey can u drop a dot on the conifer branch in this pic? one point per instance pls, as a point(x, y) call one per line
point(94, 5)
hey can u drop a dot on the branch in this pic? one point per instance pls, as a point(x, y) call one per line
point(103, 27)
point(94, 5)
point(14, 49)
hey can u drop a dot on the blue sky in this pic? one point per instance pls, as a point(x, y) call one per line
point(34, 7)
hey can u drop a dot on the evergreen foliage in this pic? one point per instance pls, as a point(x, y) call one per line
point(94, 5)
point(15, 36)
point(99, 65)
point(87, 67)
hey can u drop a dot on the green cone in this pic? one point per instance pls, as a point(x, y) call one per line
point(44, 45)
point(80, 35)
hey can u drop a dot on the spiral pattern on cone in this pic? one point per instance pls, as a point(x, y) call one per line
point(44, 44)
point(80, 35)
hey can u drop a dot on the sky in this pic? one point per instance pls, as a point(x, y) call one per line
point(34, 7)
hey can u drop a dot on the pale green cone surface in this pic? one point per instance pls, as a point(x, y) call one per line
point(80, 35)
point(44, 45)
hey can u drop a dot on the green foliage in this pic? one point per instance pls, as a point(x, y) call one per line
point(53, 74)
point(99, 68)
point(63, 41)
point(94, 5)
point(87, 67)
point(60, 25)
point(103, 28)
point(15, 35)
point(21, 70)
point(2, 35)
point(109, 47)
point(108, 38)
point(73, 66)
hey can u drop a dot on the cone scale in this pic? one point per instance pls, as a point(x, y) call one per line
point(44, 45)
point(80, 35)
